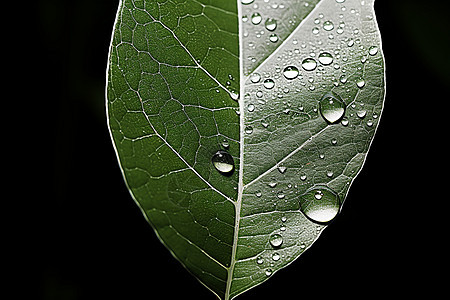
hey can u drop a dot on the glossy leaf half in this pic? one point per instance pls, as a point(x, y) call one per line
point(239, 127)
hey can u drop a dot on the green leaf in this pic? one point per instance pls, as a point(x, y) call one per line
point(239, 127)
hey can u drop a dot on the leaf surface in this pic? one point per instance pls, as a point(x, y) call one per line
point(293, 92)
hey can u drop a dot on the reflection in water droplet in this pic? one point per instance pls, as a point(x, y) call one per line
point(255, 77)
point(260, 261)
point(328, 25)
point(290, 72)
point(332, 107)
point(248, 129)
point(256, 18)
point(223, 162)
point(360, 83)
point(273, 38)
point(276, 256)
point(276, 240)
point(268, 272)
point(320, 204)
point(309, 64)
point(325, 58)
point(373, 50)
point(269, 83)
point(271, 24)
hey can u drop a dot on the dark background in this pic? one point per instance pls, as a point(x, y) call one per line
point(88, 240)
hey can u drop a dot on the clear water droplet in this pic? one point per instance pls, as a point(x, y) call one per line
point(282, 169)
point(234, 95)
point(245, 2)
point(325, 58)
point(276, 240)
point(249, 129)
point(328, 25)
point(225, 144)
point(256, 18)
point(269, 83)
point(255, 77)
point(323, 208)
point(290, 72)
point(223, 162)
point(250, 107)
point(360, 83)
point(268, 272)
point(332, 107)
point(260, 261)
point(309, 64)
point(273, 38)
point(283, 219)
point(344, 122)
point(303, 177)
point(276, 256)
point(271, 24)
point(373, 50)
point(361, 114)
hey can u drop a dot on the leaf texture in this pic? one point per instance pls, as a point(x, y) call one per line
point(188, 78)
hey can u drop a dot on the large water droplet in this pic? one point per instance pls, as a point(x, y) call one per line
point(320, 204)
point(332, 107)
point(269, 83)
point(256, 18)
point(290, 72)
point(223, 162)
point(325, 58)
point(276, 240)
point(271, 24)
point(309, 64)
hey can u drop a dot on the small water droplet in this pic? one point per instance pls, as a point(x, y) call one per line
point(290, 72)
point(303, 177)
point(344, 122)
point(260, 261)
point(268, 272)
point(360, 83)
point(332, 107)
point(283, 219)
point(269, 83)
point(273, 38)
point(258, 194)
point(271, 24)
point(249, 129)
point(272, 184)
point(320, 204)
point(309, 64)
point(315, 30)
point(255, 77)
point(256, 18)
point(276, 240)
point(373, 50)
point(330, 174)
point(361, 114)
point(223, 162)
point(282, 169)
point(245, 2)
point(225, 144)
point(325, 58)
point(250, 107)
point(234, 95)
point(328, 25)
point(276, 256)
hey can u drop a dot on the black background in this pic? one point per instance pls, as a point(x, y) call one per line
point(87, 239)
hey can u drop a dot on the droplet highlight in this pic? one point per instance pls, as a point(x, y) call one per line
point(332, 108)
point(223, 162)
point(320, 204)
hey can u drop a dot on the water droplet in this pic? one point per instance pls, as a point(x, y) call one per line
point(234, 95)
point(276, 256)
point(249, 129)
point(320, 204)
point(282, 169)
point(332, 107)
point(273, 38)
point(276, 240)
point(283, 219)
point(328, 25)
point(373, 50)
point(223, 162)
point(256, 18)
point(271, 24)
point(344, 122)
point(272, 184)
point(361, 114)
point(260, 261)
point(303, 177)
point(340, 1)
point(269, 83)
point(315, 30)
point(245, 2)
point(325, 58)
point(225, 144)
point(268, 272)
point(255, 77)
point(309, 64)
point(258, 194)
point(330, 174)
point(360, 83)
point(250, 107)
point(290, 72)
